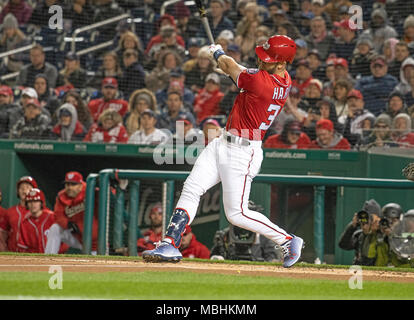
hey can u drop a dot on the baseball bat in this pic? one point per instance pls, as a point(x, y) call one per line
point(206, 25)
point(204, 20)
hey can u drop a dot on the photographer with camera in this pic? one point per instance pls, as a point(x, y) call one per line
point(355, 235)
point(234, 243)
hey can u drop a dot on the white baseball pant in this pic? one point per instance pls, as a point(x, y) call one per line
point(56, 236)
point(234, 166)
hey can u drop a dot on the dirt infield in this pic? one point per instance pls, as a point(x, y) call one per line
point(81, 264)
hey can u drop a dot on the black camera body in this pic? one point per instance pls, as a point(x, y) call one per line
point(363, 217)
point(384, 223)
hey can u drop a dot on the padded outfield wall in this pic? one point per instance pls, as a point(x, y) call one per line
point(291, 207)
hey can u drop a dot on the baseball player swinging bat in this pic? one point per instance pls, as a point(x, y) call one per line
point(235, 158)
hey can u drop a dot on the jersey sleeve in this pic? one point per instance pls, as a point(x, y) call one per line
point(250, 80)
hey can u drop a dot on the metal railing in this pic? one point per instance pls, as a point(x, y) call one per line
point(18, 50)
point(94, 26)
point(170, 2)
point(320, 183)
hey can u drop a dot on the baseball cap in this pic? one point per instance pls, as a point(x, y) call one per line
point(315, 52)
point(30, 92)
point(325, 124)
point(300, 43)
point(344, 24)
point(187, 230)
point(303, 62)
point(157, 208)
point(341, 62)
point(148, 112)
point(318, 83)
point(33, 102)
point(73, 177)
point(71, 56)
point(6, 91)
point(109, 82)
point(195, 42)
point(65, 113)
point(379, 60)
point(184, 118)
point(176, 73)
point(354, 93)
point(213, 77)
point(295, 127)
point(211, 121)
point(233, 48)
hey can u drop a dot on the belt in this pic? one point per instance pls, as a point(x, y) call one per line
point(236, 140)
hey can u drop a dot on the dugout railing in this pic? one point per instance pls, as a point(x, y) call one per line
point(168, 178)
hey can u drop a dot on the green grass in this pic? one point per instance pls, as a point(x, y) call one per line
point(189, 286)
point(186, 285)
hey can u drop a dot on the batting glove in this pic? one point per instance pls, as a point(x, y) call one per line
point(216, 51)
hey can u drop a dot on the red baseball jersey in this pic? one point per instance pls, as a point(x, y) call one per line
point(33, 232)
point(97, 106)
point(260, 100)
point(148, 241)
point(196, 250)
point(73, 209)
point(11, 222)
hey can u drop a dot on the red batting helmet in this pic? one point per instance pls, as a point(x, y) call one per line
point(25, 179)
point(35, 195)
point(277, 49)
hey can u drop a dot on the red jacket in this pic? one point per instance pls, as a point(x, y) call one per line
point(117, 134)
point(73, 209)
point(406, 141)
point(275, 141)
point(343, 144)
point(33, 232)
point(78, 132)
point(11, 222)
point(207, 103)
point(196, 250)
point(148, 241)
point(97, 106)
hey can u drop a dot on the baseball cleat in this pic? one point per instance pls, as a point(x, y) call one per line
point(291, 251)
point(164, 252)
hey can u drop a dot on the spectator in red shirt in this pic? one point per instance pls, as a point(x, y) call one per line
point(328, 138)
point(292, 137)
point(191, 247)
point(401, 133)
point(109, 100)
point(69, 213)
point(109, 129)
point(11, 221)
point(303, 76)
point(207, 100)
point(68, 127)
point(19, 8)
point(36, 223)
point(154, 233)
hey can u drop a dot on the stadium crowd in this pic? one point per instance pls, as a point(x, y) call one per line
point(352, 87)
